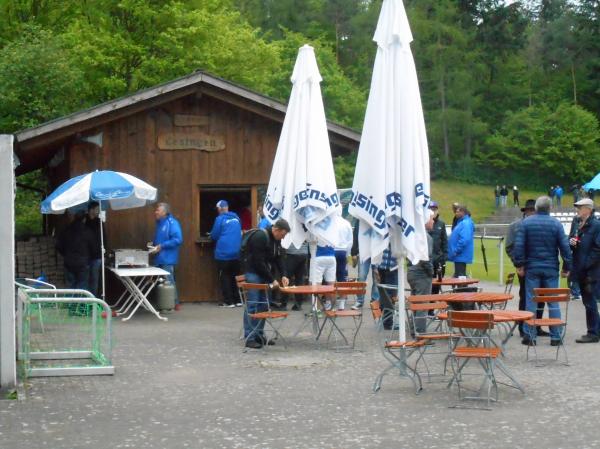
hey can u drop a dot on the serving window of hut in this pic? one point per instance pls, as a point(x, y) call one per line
point(239, 198)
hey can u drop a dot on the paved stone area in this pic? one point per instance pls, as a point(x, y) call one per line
point(187, 383)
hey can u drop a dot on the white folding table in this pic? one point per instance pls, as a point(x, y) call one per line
point(138, 283)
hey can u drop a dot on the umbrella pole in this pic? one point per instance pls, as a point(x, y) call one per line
point(401, 300)
point(102, 249)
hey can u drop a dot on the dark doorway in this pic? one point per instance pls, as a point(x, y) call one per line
point(239, 199)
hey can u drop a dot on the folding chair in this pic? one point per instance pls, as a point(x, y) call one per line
point(426, 326)
point(472, 342)
point(239, 280)
point(343, 290)
point(398, 353)
point(559, 296)
point(261, 311)
point(508, 285)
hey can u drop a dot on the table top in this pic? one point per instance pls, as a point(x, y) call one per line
point(500, 316)
point(454, 281)
point(140, 271)
point(463, 297)
point(308, 289)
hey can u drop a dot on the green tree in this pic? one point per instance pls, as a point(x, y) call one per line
point(561, 142)
point(36, 71)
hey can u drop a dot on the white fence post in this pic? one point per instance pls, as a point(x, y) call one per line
point(8, 363)
point(501, 260)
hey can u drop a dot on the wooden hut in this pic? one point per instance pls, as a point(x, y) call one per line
point(198, 139)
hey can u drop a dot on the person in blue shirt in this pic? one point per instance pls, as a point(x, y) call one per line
point(167, 241)
point(460, 243)
point(227, 233)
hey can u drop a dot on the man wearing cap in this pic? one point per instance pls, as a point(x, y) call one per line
point(227, 233)
point(528, 210)
point(539, 240)
point(262, 255)
point(584, 240)
point(440, 244)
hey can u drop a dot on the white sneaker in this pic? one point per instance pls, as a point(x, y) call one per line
point(357, 306)
point(328, 305)
point(239, 304)
point(227, 306)
point(341, 304)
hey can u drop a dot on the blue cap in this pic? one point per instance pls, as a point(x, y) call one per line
point(433, 205)
point(222, 203)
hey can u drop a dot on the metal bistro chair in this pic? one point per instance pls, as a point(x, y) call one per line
point(508, 285)
point(473, 343)
point(395, 352)
point(342, 290)
point(273, 319)
point(560, 296)
point(426, 326)
point(239, 280)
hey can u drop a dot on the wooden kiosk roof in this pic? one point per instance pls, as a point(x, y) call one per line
point(36, 146)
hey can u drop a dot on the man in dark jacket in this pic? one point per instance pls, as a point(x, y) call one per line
point(528, 210)
point(93, 224)
point(76, 245)
point(227, 233)
point(584, 240)
point(262, 255)
point(440, 245)
point(539, 240)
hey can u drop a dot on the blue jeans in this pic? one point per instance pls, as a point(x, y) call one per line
point(257, 301)
point(363, 271)
point(95, 268)
point(77, 279)
point(541, 279)
point(171, 278)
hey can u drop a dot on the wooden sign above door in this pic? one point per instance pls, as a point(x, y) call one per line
point(190, 141)
point(190, 120)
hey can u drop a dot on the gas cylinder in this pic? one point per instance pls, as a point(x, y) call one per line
point(165, 296)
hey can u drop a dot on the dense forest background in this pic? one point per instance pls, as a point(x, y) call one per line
point(510, 90)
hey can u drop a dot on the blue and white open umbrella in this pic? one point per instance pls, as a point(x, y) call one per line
point(391, 181)
point(594, 184)
point(109, 188)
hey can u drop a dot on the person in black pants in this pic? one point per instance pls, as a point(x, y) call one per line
point(296, 262)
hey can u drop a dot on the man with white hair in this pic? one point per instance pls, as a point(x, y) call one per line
point(584, 240)
point(167, 241)
point(539, 240)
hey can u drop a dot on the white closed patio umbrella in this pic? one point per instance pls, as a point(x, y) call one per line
point(391, 181)
point(302, 187)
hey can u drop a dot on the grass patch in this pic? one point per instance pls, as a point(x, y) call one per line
point(478, 198)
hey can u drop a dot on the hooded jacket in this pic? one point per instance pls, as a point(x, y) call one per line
point(227, 232)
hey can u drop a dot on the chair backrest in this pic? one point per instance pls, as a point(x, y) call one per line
point(551, 294)
point(470, 320)
point(427, 306)
point(246, 286)
point(375, 310)
point(465, 290)
point(350, 288)
point(510, 280)
point(240, 280)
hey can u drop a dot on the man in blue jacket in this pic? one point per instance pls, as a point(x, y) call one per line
point(584, 240)
point(539, 240)
point(167, 240)
point(227, 233)
point(460, 243)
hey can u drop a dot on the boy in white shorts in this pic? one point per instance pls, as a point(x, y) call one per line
point(322, 268)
